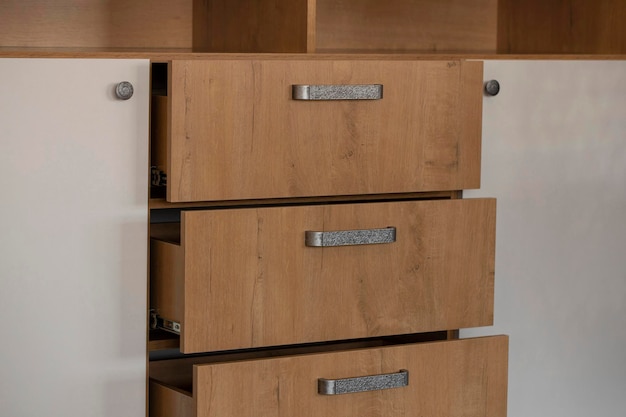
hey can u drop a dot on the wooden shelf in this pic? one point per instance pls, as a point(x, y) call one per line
point(474, 27)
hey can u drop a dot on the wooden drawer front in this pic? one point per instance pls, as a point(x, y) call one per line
point(245, 278)
point(445, 379)
point(235, 131)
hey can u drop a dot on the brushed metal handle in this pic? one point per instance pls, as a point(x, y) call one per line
point(363, 383)
point(350, 237)
point(337, 92)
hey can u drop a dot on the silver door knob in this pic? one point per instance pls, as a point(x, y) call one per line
point(124, 90)
point(492, 87)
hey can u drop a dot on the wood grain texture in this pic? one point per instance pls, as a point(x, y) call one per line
point(167, 402)
point(311, 36)
point(166, 279)
point(250, 26)
point(250, 281)
point(96, 23)
point(235, 133)
point(446, 379)
point(472, 116)
point(164, 55)
point(407, 25)
point(562, 27)
point(398, 26)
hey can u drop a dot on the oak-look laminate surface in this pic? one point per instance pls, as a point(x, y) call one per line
point(244, 277)
point(236, 133)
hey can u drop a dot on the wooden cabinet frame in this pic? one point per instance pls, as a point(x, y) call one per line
point(165, 30)
point(317, 26)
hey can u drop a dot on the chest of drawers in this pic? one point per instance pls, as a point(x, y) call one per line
point(239, 142)
point(235, 147)
point(319, 235)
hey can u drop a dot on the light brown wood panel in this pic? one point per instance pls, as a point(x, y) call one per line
point(235, 133)
point(407, 25)
point(166, 272)
point(311, 26)
point(446, 379)
point(399, 26)
point(250, 281)
point(168, 402)
point(250, 25)
point(96, 23)
point(167, 54)
point(562, 27)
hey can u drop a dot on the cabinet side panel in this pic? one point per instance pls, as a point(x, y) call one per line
point(73, 218)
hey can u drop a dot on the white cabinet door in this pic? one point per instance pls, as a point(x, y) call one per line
point(73, 233)
point(554, 155)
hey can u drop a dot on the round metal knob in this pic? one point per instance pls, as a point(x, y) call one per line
point(492, 88)
point(124, 90)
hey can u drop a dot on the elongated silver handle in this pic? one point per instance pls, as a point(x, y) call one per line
point(363, 383)
point(337, 92)
point(350, 237)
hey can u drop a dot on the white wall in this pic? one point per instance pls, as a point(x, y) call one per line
point(554, 155)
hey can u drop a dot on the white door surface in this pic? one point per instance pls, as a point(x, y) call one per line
point(73, 238)
point(554, 155)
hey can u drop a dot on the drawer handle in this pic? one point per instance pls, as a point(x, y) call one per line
point(337, 92)
point(363, 383)
point(350, 237)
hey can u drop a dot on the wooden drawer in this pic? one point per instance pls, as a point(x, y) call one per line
point(457, 378)
point(241, 278)
point(234, 130)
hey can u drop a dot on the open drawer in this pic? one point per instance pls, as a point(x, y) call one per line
point(253, 277)
point(457, 378)
point(279, 127)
